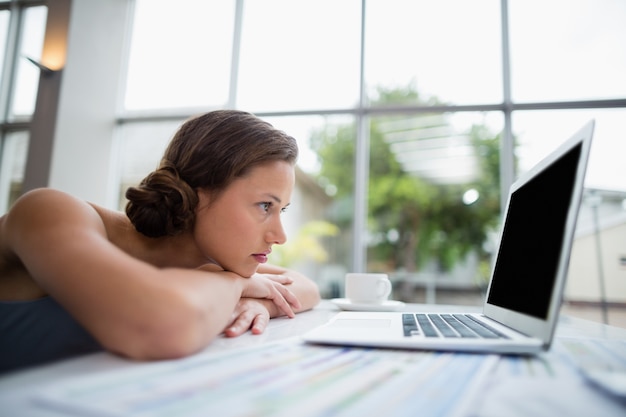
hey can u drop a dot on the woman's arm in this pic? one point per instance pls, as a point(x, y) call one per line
point(129, 306)
point(254, 314)
point(302, 287)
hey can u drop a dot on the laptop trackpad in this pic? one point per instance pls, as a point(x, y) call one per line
point(367, 323)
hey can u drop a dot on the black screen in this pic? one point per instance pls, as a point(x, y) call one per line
point(532, 239)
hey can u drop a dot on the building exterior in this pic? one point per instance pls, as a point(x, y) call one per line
point(598, 263)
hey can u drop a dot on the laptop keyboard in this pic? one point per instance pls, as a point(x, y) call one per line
point(448, 325)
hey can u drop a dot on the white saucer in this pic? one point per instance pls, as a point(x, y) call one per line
point(345, 304)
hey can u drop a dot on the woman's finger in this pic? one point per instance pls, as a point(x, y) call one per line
point(284, 300)
point(289, 296)
point(259, 324)
point(240, 325)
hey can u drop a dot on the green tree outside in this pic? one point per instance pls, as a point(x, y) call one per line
point(411, 220)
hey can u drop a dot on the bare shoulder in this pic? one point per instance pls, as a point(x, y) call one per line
point(42, 227)
point(44, 213)
point(46, 199)
point(45, 221)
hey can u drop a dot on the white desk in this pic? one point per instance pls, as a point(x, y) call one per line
point(542, 386)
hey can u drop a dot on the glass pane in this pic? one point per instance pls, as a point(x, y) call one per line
point(537, 133)
point(299, 55)
point(434, 203)
point(319, 220)
point(27, 77)
point(567, 49)
point(141, 146)
point(449, 51)
point(4, 28)
point(12, 166)
point(180, 54)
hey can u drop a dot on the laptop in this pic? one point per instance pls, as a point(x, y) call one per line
point(523, 299)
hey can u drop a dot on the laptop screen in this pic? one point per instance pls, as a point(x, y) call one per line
point(532, 239)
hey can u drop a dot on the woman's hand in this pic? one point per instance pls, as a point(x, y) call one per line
point(272, 288)
point(249, 314)
point(304, 288)
point(253, 313)
point(268, 286)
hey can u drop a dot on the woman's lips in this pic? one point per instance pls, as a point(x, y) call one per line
point(260, 257)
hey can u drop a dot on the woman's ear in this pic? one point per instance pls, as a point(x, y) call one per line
point(204, 198)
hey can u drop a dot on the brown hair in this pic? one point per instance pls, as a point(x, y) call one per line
point(207, 152)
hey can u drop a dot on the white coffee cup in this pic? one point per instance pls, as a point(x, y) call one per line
point(365, 288)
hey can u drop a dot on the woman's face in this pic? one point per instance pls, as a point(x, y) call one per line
point(239, 227)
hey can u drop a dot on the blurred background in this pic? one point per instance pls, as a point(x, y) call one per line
point(413, 118)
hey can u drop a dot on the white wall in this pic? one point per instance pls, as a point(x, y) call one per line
point(82, 150)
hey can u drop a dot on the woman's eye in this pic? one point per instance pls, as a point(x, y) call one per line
point(266, 206)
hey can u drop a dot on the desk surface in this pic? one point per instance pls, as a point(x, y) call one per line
point(548, 384)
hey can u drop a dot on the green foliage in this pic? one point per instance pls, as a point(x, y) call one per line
point(411, 221)
point(306, 245)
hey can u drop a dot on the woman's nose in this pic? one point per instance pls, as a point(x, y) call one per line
point(276, 234)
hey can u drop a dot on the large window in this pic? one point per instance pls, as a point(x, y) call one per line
point(413, 117)
point(299, 55)
point(449, 51)
point(180, 54)
point(22, 28)
point(567, 50)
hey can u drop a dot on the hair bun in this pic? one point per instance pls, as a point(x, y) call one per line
point(162, 204)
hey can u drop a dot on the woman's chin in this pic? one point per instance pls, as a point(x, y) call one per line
point(246, 272)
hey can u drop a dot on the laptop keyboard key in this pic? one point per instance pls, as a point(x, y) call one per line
point(440, 324)
point(481, 329)
point(409, 325)
point(426, 326)
point(458, 326)
point(447, 325)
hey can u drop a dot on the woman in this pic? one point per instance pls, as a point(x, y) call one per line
point(186, 262)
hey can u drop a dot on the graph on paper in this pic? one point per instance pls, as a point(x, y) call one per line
point(280, 379)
